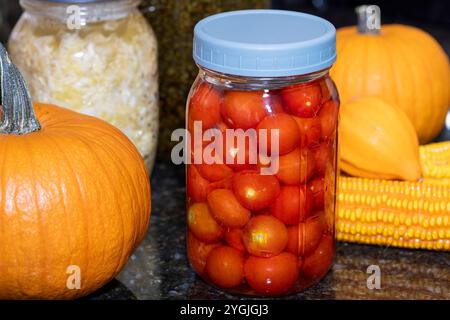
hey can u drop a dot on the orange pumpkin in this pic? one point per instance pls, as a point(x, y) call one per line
point(401, 64)
point(74, 197)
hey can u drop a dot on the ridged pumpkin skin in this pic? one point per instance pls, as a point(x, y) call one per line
point(74, 193)
point(403, 65)
point(377, 140)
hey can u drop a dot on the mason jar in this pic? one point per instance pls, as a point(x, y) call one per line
point(95, 57)
point(262, 126)
point(173, 22)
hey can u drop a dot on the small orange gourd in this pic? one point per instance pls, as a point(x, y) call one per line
point(74, 197)
point(377, 140)
point(401, 64)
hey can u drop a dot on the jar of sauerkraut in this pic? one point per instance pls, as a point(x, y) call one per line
point(94, 56)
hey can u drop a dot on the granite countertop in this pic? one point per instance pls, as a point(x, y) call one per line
point(159, 268)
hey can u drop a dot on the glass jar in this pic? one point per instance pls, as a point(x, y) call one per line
point(261, 176)
point(95, 57)
point(173, 22)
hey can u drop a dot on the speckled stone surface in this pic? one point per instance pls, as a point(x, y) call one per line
point(115, 290)
point(159, 268)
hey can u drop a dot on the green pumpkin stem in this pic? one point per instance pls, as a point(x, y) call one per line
point(369, 19)
point(18, 115)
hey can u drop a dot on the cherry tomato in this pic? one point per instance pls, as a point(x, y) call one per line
point(310, 130)
point(225, 267)
point(309, 234)
point(202, 224)
point(288, 134)
point(300, 264)
point(214, 172)
point(273, 103)
point(243, 109)
point(222, 126)
point(322, 155)
point(255, 191)
point(234, 237)
point(302, 100)
point(265, 236)
point(296, 167)
point(272, 276)
point(226, 209)
point(316, 186)
point(292, 245)
point(205, 106)
point(328, 116)
point(226, 183)
point(197, 187)
point(198, 252)
point(319, 262)
point(304, 238)
point(292, 205)
point(328, 89)
point(240, 152)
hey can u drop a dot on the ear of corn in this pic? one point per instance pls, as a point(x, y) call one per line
point(394, 213)
point(435, 160)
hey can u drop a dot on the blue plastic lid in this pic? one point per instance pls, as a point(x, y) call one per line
point(264, 43)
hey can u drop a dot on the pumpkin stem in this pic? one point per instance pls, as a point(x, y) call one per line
point(369, 19)
point(18, 115)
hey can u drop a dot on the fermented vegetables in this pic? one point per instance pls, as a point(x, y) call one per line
point(108, 69)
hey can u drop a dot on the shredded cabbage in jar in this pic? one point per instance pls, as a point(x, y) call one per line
point(107, 69)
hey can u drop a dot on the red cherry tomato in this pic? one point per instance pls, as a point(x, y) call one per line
point(304, 238)
point(311, 131)
point(225, 267)
point(328, 89)
point(243, 109)
point(296, 167)
point(205, 106)
point(310, 233)
point(328, 116)
point(292, 245)
point(198, 252)
point(202, 224)
point(288, 134)
point(240, 152)
point(302, 100)
point(214, 172)
point(316, 186)
point(292, 205)
point(226, 183)
point(255, 191)
point(322, 155)
point(197, 187)
point(265, 236)
point(234, 237)
point(319, 262)
point(226, 209)
point(272, 103)
point(272, 276)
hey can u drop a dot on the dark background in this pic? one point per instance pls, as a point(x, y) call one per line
point(431, 15)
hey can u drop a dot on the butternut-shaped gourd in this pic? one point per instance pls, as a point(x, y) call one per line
point(377, 140)
point(401, 64)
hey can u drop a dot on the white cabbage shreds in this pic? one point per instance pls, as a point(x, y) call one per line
point(107, 69)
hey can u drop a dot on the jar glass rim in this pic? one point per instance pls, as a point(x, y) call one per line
point(257, 83)
point(90, 11)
